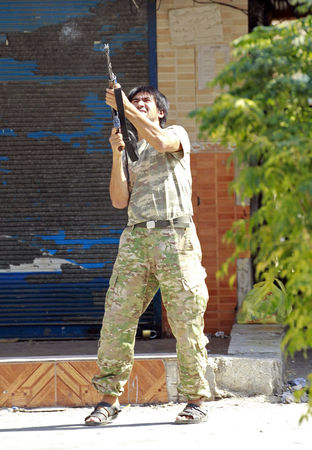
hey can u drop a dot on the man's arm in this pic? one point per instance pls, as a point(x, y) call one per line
point(118, 187)
point(162, 140)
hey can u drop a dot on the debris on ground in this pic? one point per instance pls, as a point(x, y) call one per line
point(289, 396)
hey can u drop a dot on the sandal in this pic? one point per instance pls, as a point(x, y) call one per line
point(191, 414)
point(103, 413)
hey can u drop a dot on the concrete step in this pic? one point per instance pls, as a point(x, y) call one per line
point(254, 363)
point(55, 376)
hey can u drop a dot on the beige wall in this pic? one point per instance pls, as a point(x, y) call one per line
point(192, 47)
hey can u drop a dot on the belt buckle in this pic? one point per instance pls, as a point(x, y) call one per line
point(150, 224)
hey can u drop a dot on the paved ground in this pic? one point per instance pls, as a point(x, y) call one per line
point(16, 348)
point(242, 423)
point(238, 423)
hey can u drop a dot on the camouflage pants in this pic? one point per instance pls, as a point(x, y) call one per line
point(168, 258)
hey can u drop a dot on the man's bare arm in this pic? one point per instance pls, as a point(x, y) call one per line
point(118, 187)
point(162, 140)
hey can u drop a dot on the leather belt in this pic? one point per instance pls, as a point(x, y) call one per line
point(178, 222)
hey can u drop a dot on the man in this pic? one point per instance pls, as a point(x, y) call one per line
point(159, 247)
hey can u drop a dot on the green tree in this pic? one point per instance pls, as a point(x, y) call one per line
point(264, 110)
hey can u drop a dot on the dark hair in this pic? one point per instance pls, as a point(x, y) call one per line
point(160, 100)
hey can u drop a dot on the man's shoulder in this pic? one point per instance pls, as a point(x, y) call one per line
point(183, 136)
point(176, 128)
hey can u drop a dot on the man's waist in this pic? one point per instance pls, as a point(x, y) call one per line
point(177, 222)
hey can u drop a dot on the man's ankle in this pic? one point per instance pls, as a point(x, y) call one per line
point(111, 399)
point(197, 402)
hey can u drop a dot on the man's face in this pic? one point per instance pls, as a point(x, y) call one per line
point(145, 103)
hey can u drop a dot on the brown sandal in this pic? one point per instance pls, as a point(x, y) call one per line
point(103, 413)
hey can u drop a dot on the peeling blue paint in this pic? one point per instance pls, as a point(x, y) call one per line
point(118, 231)
point(92, 149)
point(96, 105)
point(93, 265)
point(64, 137)
point(7, 132)
point(3, 170)
point(112, 230)
point(102, 116)
point(57, 293)
point(52, 252)
point(14, 15)
point(107, 28)
point(13, 70)
point(60, 239)
point(56, 79)
point(13, 277)
point(137, 34)
point(63, 300)
point(118, 40)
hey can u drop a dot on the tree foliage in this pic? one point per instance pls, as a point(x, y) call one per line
point(264, 110)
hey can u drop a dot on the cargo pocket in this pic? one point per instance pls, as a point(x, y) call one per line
point(192, 280)
point(196, 286)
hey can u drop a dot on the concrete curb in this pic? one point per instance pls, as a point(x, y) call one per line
point(254, 365)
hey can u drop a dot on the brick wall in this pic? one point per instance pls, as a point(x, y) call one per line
point(192, 47)
point(214, 211)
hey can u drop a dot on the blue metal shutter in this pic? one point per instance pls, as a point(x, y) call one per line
point(58, 231)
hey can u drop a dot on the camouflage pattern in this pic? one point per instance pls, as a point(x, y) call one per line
point(160, 183)
point(149, 258)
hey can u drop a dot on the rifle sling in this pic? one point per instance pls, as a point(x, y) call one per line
point(130, 148)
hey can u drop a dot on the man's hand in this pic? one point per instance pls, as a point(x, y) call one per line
point(116, 141)
point(110, 97)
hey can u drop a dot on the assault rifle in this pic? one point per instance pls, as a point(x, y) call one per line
point(119, 119)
